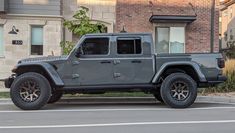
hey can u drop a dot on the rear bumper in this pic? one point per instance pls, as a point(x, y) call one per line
point(9, 81)
point(220, 79)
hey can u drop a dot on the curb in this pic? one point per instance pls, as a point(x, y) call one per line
point(129, 100)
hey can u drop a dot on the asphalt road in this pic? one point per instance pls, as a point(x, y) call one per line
point(122, 118)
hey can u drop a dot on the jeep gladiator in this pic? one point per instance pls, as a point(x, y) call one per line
point(121, 62)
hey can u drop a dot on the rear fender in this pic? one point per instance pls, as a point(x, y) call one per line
point(194, 65)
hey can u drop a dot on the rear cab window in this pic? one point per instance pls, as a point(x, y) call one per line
point(129, 46)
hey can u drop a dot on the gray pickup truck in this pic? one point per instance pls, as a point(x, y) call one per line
point(119, 62)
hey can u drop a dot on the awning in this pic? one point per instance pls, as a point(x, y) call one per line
point(172, 19)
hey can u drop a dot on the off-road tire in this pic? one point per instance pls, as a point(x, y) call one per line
point(158, 96)
point(56, 96)
point(42, 83)
point(166, 91)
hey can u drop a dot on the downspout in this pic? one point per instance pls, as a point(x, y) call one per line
point(212, 25)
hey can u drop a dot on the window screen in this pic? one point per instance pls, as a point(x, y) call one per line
point(95, 46)
point(170, 40)
point(36, 40)
point(129, 46)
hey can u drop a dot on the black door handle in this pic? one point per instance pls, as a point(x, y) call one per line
point(136, 61)
point(105, 62)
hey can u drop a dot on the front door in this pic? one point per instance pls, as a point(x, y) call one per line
point(94, 67)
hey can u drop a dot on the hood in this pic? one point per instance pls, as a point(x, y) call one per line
point(43, 59)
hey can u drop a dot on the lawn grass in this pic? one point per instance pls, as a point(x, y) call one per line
point(4, 94)
point(109, 94)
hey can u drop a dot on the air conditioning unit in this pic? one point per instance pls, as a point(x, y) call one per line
point(3, 6)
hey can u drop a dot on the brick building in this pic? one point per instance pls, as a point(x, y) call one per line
point(178, 26)
point(228, 22)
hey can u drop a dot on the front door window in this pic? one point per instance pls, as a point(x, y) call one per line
point(95, 46)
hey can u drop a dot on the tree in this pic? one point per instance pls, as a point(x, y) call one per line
point(80, 25)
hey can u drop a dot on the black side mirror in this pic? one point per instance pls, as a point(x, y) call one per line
point(78, 52)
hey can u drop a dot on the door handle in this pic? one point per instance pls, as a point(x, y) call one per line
point(75, 62)
point(136, 61)
point(115, 62)
point(105, 62)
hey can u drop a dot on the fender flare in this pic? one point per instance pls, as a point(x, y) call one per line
point(194, 65)
point(47, 68)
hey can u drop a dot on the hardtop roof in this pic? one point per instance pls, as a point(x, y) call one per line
point(118, 34)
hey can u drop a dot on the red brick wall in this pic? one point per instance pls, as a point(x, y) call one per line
point(135, 14)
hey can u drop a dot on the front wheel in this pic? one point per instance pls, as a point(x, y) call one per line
point(179, 90)
point(158, 96)
point(30, 91)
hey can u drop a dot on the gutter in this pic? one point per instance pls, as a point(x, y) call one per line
point(212, 25)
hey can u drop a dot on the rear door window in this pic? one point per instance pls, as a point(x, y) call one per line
point(129, 46)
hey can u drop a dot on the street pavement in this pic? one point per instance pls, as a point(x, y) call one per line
point(121, 118)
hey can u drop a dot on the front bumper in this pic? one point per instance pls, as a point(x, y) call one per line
point(9, 81)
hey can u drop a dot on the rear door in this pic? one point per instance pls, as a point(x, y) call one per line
point(133, 63)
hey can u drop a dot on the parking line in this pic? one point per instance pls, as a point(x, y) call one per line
point(118, 124)
point(118, 109)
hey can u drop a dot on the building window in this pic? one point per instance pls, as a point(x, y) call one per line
point(170, 40)
point(95, 46)
point(225, 13)
point(36, 40)
point(129, 46)
point(1, 41)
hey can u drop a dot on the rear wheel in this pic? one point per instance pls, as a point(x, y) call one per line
point(30, 91)
point(179, 90)
point(56, 96)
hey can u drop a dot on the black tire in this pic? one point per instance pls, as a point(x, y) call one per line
point(158, 96)
point(179, 90)
point(56, 96)
point(20, 97)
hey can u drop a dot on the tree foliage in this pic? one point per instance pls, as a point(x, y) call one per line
point(80, 25)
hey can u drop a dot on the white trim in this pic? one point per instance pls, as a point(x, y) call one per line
point(35, 15)
point(3, 42)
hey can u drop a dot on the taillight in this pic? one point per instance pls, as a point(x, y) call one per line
point(221, 62)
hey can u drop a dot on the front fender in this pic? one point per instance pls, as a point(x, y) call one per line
point(47, 68)
point(194, 65)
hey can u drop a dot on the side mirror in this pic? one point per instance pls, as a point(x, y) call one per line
point(78, 53)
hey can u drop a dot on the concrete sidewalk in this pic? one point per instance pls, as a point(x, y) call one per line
point(130, 100)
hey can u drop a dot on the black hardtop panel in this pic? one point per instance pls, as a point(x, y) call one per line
point(118, 34)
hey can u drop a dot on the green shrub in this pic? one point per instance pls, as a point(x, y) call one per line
point(67, 47)
point(80, 25)
point(229, 85)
